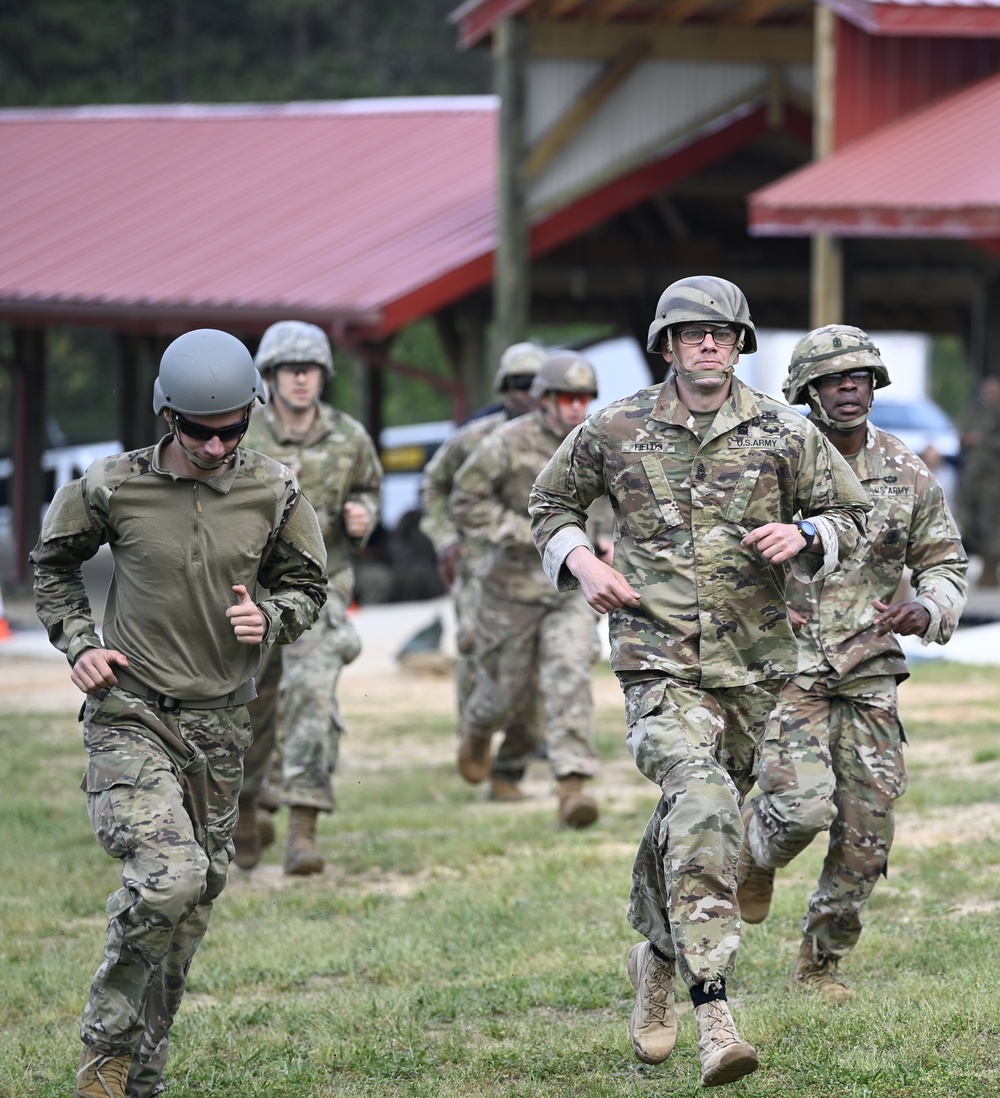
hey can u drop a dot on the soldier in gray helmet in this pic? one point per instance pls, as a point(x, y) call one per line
point(832, 758)
point(337, 464)
point(459, 553)
point(524, 630)
point(217, 556)
point(709, 481)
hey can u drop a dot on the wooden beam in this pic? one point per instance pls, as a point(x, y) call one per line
point(753, 12)
point(604, 10)
point(679, 10)
point(584, 41)
point(29, 408)
point(584, 108)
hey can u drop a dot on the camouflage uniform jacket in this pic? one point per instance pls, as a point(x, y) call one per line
point(712, 612)
point(909, 526)
point(335, 462)
point(437, 521)
point(179, 544)
point(490, 504)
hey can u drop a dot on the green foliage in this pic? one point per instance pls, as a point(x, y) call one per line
point(951, 380)
point(69, 52)
point(458, 948)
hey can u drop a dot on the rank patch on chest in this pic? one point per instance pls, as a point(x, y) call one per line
point(647, 446)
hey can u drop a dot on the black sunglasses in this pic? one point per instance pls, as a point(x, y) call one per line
point(203, 433)
point(521, 382)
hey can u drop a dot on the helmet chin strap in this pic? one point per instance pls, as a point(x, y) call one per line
point(820, 413)
point(698, 375)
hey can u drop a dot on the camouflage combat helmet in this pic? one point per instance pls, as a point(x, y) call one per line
point(294, 341)
point(832, 349)
point(519, 360)
point(564, 372)
point(205, 373)
point(702, 298)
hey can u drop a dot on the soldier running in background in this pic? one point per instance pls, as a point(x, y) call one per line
point(338, 467)
point(525, 631)
point(460, 555)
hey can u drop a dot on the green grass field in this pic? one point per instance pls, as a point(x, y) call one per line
point(455, 947)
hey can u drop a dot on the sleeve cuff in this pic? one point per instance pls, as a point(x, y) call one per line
point(560, 545)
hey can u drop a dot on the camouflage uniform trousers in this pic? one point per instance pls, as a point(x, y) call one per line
point(700, 747)
point(297, 689)
point(526, 730)
point(556, 646)
point(832, 760)
point(161, 793)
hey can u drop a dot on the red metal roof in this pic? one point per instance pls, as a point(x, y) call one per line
point(933, 173)
point(354, 213)
point(951, 18)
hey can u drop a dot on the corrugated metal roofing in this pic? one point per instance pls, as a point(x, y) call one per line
point(337, 212)
point(934, 173)
point(952, 18)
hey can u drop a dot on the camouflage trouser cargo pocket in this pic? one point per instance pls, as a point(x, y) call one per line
point(110, 784)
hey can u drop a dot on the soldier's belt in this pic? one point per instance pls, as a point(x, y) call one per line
point(240, 696)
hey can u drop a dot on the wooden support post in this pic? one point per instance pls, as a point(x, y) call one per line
point(28, 432)
point(827, 274)
point(511, 293)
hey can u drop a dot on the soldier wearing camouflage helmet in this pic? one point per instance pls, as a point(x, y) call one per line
point(458, 553)
point(707, 478)
point(525, 631)
point(217, 556)
point(338, 467)
point(832, 758)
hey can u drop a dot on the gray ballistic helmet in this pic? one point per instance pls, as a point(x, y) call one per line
point(294, 341)
point(702, 298)
point(519, 360)
point(206, 372)
point(564, 372)
point(832, 349)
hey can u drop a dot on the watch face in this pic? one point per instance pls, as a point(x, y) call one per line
point(807, 528)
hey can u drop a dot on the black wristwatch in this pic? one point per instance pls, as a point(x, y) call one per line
point(808, 531)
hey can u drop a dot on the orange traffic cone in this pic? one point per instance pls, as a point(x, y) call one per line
point(5, 630)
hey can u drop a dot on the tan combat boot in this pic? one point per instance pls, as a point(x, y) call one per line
point(301, 855)
point(246, 838)
point(754, 883)
point(652, 1027)
point(724, 1057)
point(474, 757)
point(503, 790)
point(101, 1076)
point(816, 973)
point(576, 808)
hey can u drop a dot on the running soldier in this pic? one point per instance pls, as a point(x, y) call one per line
point(459, 555)
point(832, 758)
point(706, 477)
point(216, 554)
point(525, 631)
point(337, 465)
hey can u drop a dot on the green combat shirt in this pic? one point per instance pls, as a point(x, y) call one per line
point(179, 544)
point(335, 463)
point(909, 526)
point(712, 612)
